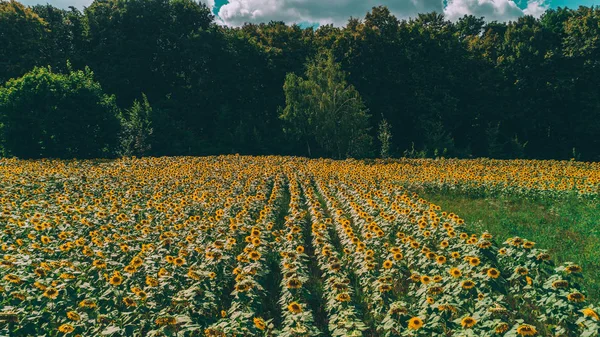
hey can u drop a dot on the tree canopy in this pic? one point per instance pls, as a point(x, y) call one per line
point(526, 88)
point(324, 109)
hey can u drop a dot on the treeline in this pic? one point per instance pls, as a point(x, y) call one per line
point(161, 77)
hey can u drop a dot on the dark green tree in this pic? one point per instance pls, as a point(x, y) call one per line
point(323, 108)
point(52, 115)
point(22, 34)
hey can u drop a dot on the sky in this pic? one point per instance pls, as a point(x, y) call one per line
point(337, 12)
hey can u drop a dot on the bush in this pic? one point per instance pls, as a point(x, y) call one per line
point(45, 114)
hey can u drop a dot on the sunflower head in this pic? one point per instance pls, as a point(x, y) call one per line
point(576, 297)
point(259, 323)
point(51, 293)
point(295, 308)
point(468, 322)
point(467, 284)
point(415, 323)
point(526, 330)
point(66, 328)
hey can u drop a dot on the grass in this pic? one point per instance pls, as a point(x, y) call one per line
point(568, 228)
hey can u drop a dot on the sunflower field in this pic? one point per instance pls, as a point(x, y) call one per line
point(278, 246)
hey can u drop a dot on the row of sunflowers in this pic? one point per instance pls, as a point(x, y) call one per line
point(269, 246)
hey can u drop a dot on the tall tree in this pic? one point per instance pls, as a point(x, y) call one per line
point(323, 108)
point(22, 34)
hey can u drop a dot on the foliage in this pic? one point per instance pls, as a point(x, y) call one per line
point(564, 225)
point(232, 245)
point(324, 109)
point(469, 88)
point(21, 39)
point(385, 137)
point(136, 129)
point(51, 115)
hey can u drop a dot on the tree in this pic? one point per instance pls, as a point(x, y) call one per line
point(136, 129)
point(324, 109)
point(22, 35)
point(45, 114)
point(385, 137)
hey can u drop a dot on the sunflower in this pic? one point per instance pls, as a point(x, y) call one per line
point(468, 322)
point(179, 261)
point(162, 272)
point(19, 296)
point(51, 293)
point(254, 255)
point(526, 330)
point(543, 256)
point(588, 312)
point(576, 297)
point(142, 295)
point(440, 259)
point(294, 283)
point(259, 323)
point(474, 261)
point(72, 315)
point(415, 323)
point(521, 271)
point(528, 244)
point(501, 328)
point(398, 256)
point(129, 302)
point(343, 297)
point(115, 280)
point(425, 279)
point(436, 290)
point(151, 281)
point(295, 308)
point(468, 284)
point(12, 278)
point(493, 273)
point(166, 321)
point(39, 285)
point(560, 284)
point(455, 272)
point(66, 328)
point(387, 264)
point(99, 264)
point(385, 288)
point(87, 304)
point(300, 249)
point(573, 269)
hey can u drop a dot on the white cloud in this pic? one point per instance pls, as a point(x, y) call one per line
point(83, 3)
point(58, 3)
point(535, 8)
point(209, 3)
point(500, 10)
point(237, 12)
